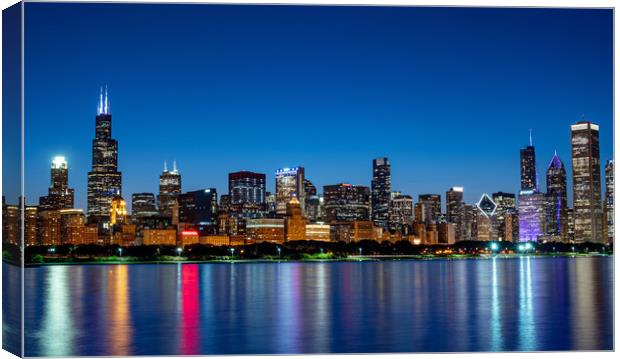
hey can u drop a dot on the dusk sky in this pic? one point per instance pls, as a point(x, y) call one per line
point(448, 94)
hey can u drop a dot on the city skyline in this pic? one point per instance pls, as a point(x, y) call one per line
point(431, 147)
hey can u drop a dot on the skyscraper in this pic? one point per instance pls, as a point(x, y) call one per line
point(247, 193)
point(401, 214)
point(557, 202)
point(531, 215)
point(169, 189)
point(586, 182)
point(289, 184)
point(59, 196)
point(381, 188)
point(454, 210)
point(294, 223)
point(199, 209)
point(430, 209)
point(609, 201)
point(528, 167)
point(246, 187)
point(104, 180)
point(506, 207)
point(345, 202)
point(143, 204)
point(531, 202)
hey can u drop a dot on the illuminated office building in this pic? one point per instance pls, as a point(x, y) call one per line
point(345, 202)
point(59, 195)
point(430, 208)
point(531, 215)
point(31, 218)
point(506, 207)
point(143, 205)
point(557, 202)
point(104, 180)
point(454, 210)
point(265, 229)
point(72, 226)
point(609, 201)
point(49, 228)
point(531, 202)
point(586, 182)
point(169, 189)
point(11, 223)
point(289, 184)
point(294, 223)
point(529, 181)
point(247, 193)
point(401, 214)
point(381, 189)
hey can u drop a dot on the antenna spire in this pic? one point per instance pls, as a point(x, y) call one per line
point(531, 137)
point(106, 105)
point(174, 165)
point(165, 166)
point(100, 107)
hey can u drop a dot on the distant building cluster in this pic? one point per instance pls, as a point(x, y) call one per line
point(297, 211)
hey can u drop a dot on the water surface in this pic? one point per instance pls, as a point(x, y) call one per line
point(524, 304)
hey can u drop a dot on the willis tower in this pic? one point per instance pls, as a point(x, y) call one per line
point(104, 180)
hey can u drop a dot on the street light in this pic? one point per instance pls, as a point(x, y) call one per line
point(232, 253)
point(279, 252)
point(494, 246)
point(360, 250)
point(179, 250)
point(120, 252)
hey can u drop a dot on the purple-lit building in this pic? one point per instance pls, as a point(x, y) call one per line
point(531, 215)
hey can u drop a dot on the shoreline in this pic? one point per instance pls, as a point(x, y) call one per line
point(370, 258)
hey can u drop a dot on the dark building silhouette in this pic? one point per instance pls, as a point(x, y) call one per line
point(199, 208)
point(345, 202)
point(381, 191)
point(143, 204)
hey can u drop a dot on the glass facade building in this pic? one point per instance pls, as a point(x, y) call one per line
point(586, 162)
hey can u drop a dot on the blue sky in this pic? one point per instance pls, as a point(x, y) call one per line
point(448, 94)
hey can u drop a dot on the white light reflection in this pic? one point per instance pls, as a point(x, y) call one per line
point(527, 324)
point(57, 334)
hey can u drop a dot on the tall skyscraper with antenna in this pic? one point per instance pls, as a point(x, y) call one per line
point(528, 167)
point(169, 189)
point(104, 180)
point(531, 201)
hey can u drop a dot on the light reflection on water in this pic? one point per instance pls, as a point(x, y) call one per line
point(524, 304)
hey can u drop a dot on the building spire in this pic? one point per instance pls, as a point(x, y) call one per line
point(531, 138)
point(100, 107)
point(106, 108)
point(165, 166)
point(174, 166)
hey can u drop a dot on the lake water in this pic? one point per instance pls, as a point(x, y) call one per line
point(517, 304)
